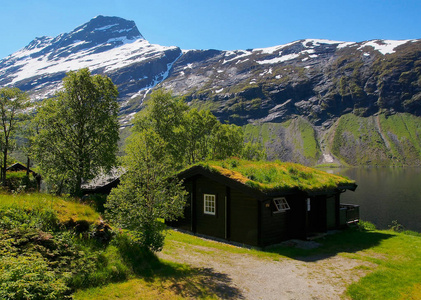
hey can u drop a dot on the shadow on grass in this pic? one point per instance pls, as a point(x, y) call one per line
point(349, 241)
point(183, 280)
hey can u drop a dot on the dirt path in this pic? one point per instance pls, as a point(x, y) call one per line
point(264, 278)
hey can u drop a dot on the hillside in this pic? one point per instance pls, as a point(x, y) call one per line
point(297, 94)
point(380, 140)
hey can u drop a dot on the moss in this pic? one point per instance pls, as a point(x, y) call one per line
point(277, 176)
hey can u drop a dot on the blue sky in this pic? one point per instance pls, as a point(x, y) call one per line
point(217, 24)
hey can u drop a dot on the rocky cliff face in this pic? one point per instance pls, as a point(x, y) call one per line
point(296, 96)
point(319, 79)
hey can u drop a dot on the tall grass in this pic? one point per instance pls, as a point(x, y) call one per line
point(66, 208)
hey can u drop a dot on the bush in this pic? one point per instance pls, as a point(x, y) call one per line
point(396, 226)
point(29, 277)
point(40, 258)
point(97, 201)
point(18, 181)
point(366, 226)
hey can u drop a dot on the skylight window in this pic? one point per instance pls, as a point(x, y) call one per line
point(281, 204)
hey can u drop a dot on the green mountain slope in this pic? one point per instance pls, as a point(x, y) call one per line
point(379, 140)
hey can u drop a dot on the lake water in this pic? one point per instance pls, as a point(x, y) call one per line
point(386, 194)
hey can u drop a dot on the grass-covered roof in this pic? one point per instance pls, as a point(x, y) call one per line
point(278, 176)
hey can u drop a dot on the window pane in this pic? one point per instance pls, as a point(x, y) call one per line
point(209, 204)
point(281, 204)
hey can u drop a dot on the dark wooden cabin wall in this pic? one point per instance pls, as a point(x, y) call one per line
point(331, 212)
point(273, 225)
point(243, 218)
point(297, 216)
point(317, 215)
point(209, 224)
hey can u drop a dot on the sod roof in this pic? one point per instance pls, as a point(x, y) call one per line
point(276, 176)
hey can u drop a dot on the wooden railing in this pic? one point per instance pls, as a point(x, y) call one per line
point(349, 213)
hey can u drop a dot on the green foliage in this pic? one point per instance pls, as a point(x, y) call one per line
point(190, 135)
point(77, 131)
point(253, 151)
point(148, 190)
point(13, 103)
point(65, 209)
point(41, 258)
point(365, 225)
point(34, 264)
point(18, 181)
point(29, 277)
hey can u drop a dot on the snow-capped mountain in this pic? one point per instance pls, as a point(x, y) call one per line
point(296, 78)
point(109, 45)
point(320, 79)
point(315, 81)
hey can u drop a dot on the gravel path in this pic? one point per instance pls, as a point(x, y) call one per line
point(244, 276)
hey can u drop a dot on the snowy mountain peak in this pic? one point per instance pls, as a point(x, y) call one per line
point(108, 45)
point(315, 77)
point(101, 33)
point(103, 29)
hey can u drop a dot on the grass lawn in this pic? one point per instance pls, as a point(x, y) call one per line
point(122, 270)
point(397, 275)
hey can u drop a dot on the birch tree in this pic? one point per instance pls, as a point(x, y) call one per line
point(78, 130)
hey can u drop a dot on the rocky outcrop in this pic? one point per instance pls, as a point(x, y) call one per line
point(318, 79)
point(308, 84)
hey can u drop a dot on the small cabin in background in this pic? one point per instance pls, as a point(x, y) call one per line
point(103, 183)
point(19, 167)
point(261, 203)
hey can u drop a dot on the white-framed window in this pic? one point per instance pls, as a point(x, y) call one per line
point(209, 204)
point(281, 204)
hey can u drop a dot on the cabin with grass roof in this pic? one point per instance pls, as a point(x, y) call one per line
point(262, 203)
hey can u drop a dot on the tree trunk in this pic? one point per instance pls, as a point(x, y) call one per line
point(27, 166)
point(78, 190)
point(4, 164)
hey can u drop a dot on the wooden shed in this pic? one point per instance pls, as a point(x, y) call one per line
point(260, 203)
point(19, 167)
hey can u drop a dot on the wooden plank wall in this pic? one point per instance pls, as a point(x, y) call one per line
point(209, 224)
point(243, 218)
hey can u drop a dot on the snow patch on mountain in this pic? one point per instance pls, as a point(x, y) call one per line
point(279, 59)
point(129, 53)
point(384, 46)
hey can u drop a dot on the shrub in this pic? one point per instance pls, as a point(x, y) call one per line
point(29, 277)
point(97, 201)
point(396, 226)
point(366, 226)
point(18, 181)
